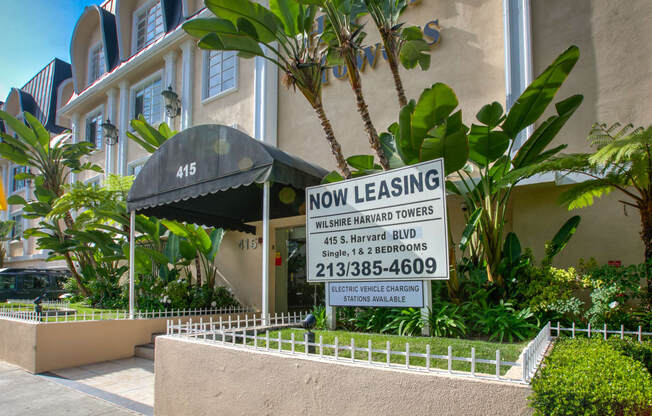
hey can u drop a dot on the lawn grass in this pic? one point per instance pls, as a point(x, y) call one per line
point(438, 346)
point(84, 312)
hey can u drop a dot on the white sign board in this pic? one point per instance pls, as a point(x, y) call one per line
point(387, 226)
point(376, 294)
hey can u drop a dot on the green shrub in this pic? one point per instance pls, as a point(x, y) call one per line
point(406, 321)
point(502, 322)
point(639, 351)
point(591, 377)
point(446, 320)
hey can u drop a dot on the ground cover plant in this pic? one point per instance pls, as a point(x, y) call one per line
point(439, 346)
point(594, 377)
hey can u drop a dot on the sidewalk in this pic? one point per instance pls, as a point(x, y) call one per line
point(26, 394)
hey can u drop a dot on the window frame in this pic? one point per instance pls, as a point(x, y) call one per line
point(134, 163)
point(99, 110)
point(206, 98)
point(13, 237)
point(12, 173)
point(96, 46)
point(134, 25)
point(94, 180)
point(141, 85)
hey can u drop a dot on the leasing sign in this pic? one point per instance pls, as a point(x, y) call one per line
point(387, 226)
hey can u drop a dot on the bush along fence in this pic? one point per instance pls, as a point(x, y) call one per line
point(72, 315)
point(263, 334)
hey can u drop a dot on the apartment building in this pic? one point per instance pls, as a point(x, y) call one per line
point(125, 53)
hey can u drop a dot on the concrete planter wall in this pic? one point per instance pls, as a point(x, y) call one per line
point(194, 378)
point(41, 347)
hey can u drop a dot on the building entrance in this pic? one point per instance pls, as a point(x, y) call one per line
point(293, 292)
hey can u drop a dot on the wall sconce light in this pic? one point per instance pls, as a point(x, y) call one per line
point(172, 103)
point(110, 132)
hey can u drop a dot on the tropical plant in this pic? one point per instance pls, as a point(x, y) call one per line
point(5, 235)
point(147, 136)
point(286, 32)
point(408, 321)
point(371, 319)
point(50, 164)
point(445, 320)
point(493, 155)
point(622, 161)
point(319, 312)
point(197, 243)
point(401, 44)
point(502, 322)
point(344, 37)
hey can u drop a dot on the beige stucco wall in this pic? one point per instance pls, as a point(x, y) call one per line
point(41, 347)
point(614, 72)
point(197, 379)
point(18, 343)
point(469, 58)
point(85, 37)
point(606, 232)
point(232, 107)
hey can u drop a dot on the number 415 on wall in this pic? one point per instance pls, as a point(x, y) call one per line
point(189, 169)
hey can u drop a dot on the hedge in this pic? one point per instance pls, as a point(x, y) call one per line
point(592, 377)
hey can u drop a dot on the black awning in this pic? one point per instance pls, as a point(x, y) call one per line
point(212, 175)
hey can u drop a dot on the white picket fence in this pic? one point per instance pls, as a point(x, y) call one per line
point(29, 315)
point(52, 303)
point(254, 333)
point(590, 332)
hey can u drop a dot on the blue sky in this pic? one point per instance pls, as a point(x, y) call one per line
point(34, 33)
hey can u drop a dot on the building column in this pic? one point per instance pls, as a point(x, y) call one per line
point(123, 126)
point(265, 101)
point(74, 124)
point(111, 114)
point(187, 83)
point(170, 79)
point(518, 55)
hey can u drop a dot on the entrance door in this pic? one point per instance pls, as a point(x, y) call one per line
point(293, 292)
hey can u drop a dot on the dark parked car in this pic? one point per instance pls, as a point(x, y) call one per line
point(30, 283)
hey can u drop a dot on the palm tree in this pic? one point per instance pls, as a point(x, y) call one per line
point(402, 44)
point(344, 37)
point(51, 164)
point(286, 31)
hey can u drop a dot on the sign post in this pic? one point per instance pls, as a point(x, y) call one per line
point(382, 234)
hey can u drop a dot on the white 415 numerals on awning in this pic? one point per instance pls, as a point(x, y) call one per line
point(189, 169)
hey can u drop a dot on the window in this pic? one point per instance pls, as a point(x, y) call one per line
point(148, 25)
point(149, 102)
point(96, 64)
point(94, 129)
point(134, 170)
point(94, 181)
point(220, 73)
point(17, 229)
point(17, 184)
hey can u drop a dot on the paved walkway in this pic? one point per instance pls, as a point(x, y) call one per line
point(23, 394)
point(128, 383)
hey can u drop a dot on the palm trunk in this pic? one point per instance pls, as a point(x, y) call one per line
point(646, 236)
point(336, 149)
point(398, 83)
point(374, 141)
point(67, 219)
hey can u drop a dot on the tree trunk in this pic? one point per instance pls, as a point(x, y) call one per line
point(356, 85)
point(646, 236)
point(198, 267)
point(75, 275)
point(374, 141)
point(336, 149)
point(398, 83)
